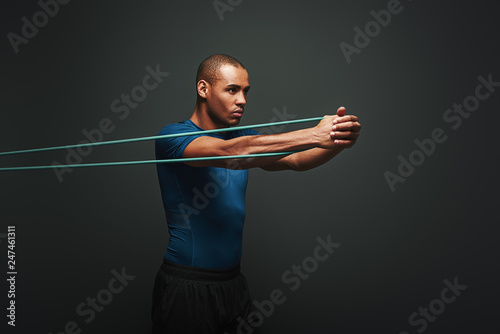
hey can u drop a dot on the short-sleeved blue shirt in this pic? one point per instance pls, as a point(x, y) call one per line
point(204, 206)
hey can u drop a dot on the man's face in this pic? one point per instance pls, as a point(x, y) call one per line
point(227, 98)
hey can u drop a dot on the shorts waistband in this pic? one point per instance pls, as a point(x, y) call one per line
point(202, 274)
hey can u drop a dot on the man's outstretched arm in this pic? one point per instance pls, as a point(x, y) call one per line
point(318, 137)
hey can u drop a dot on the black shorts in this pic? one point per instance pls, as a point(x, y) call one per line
point(188, 300)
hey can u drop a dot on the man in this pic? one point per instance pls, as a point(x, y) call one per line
point(199, 288)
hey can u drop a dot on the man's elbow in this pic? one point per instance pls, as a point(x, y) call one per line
point(284, 164)
point(299, 167)
point(293, 163)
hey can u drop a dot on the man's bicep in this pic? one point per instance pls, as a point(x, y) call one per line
point(205, 146)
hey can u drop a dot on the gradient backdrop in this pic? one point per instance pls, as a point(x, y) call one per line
point(396, 247)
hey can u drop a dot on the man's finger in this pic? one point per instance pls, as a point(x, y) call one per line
point(347, 126)
point(344, 143)
point(344, 135)
point(341, 111)
point(348, 118)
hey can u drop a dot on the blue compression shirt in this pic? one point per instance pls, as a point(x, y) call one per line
point(204, 206)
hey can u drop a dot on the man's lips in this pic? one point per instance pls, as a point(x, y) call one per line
point(238, 113)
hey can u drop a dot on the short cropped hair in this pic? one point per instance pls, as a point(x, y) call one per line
point(209, 68)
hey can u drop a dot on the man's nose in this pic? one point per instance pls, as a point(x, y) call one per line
point(241, 99)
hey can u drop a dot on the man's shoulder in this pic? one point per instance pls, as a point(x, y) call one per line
point(189, 126)
point(179, 127)
point(172, 147)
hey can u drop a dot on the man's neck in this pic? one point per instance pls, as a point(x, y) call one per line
point(201, 118)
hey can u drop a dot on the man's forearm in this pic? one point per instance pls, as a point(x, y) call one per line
point(290, 141)
point(304, 160)
point(313, 158)
point(283, 142)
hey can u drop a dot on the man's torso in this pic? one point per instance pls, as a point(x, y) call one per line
point(204, 206)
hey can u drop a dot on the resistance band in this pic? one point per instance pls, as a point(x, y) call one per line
point(143, 162)
point(132, 140)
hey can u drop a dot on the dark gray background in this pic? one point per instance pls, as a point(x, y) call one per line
point(396, 248)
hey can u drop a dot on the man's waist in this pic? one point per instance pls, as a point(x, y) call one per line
point(198, 273)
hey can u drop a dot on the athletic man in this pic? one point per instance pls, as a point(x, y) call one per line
point(199, 288)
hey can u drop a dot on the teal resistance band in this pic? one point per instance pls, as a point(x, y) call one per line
point(123, 141)
point(144, 162)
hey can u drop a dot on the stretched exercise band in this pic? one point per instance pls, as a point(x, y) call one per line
point(143, 162)
point(131, 140)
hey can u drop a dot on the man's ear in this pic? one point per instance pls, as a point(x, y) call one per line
point(202, 88)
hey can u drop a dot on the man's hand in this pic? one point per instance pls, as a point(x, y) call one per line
point(338, 131)
point(324, 130)
point(345, 130)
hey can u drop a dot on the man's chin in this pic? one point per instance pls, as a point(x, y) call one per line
point(233, 121)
